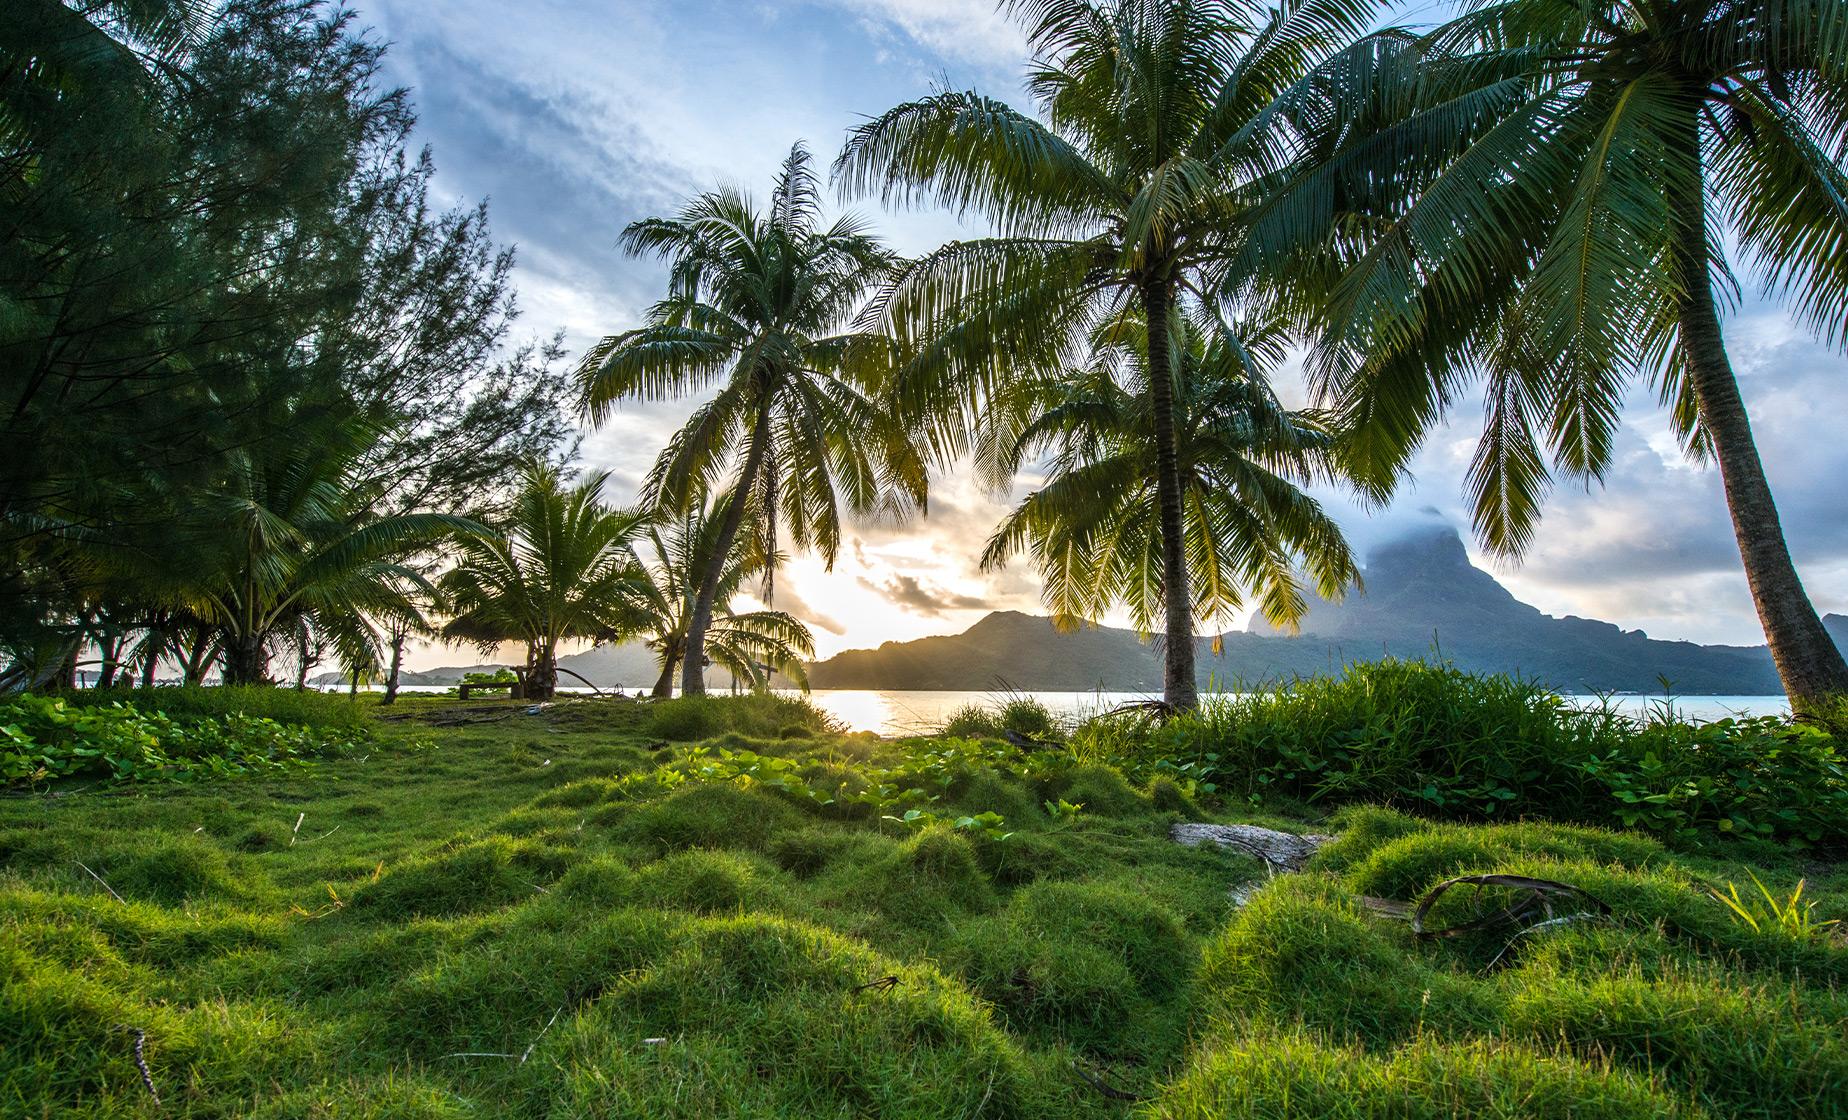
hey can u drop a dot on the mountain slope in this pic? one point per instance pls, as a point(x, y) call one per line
point(1422, 596)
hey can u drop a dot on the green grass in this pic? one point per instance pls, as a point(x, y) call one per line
point(581, 913)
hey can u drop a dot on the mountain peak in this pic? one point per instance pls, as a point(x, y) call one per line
point(1436, 548)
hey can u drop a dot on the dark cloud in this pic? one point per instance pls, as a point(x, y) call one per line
point(923, 598)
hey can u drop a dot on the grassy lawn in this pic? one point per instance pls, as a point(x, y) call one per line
point(579, 913)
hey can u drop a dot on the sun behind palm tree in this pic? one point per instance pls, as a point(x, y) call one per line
point(761, 303)
point(1161, 133)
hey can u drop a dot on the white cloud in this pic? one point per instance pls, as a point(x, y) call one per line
point(974, 31)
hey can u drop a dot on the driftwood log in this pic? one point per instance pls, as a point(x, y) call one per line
point(1281, 851)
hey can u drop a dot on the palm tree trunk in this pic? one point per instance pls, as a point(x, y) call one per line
point(1178, 686)
point(542, 678)
point(1808, 663)
point(245, 661)
point(664, 684)
point(693, 670)
point(397, 663)
point(109, 650)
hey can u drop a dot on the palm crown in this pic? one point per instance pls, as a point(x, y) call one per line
point(1547, 187)
point(1243, 458)
point(751, 645)
point(562, 569)
point(1161, 129)
point(760, 304)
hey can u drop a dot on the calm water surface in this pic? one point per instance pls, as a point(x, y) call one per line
point(894, 712)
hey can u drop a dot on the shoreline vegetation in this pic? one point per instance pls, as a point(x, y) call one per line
point(725, 906)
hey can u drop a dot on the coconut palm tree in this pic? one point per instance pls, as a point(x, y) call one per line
point(1160, 128)
point(1551, 196)
point(1243, 457)
point(760, 303)
point(287, 539)
point(751, 645)
point(563, 568)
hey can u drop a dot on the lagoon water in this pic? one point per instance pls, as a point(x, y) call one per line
point(897, 712)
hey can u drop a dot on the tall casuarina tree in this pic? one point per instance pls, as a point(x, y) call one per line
point(762, 304)
point(1551, 197)
point(1159, 127)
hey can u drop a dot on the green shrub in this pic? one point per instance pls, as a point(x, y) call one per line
point(44, 737)
point(1443, 742)
point(308, 707)
point(973, 721)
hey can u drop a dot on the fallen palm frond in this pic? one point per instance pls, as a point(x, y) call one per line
point(1535, 899)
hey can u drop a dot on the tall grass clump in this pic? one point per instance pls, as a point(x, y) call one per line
point(763, 714)
point(1022, 715)
point(1444, 742)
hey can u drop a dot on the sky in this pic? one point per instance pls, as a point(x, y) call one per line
point(576, 118)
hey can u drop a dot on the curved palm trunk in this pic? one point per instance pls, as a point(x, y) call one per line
point(693, 670)
point(1808, 663)
point(1178, 687)
point(397, 665)
point(664, 684)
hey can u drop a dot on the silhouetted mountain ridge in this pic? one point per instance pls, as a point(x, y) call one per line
point(1422, 596)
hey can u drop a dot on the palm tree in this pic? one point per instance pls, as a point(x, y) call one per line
point(562, 569)
point(1551, 194)
point(288, 540)
point(760, 303)
point(1242, 458)
point(1161, 129)
point(751, 645)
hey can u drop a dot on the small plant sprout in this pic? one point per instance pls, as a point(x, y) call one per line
point(1792, 917)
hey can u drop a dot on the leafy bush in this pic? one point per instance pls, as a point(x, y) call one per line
point(1456, 744)
point(43, 737)
point(284, 705)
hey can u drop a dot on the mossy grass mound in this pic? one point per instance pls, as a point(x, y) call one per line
point(551, 916)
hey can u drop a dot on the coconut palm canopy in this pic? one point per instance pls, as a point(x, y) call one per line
point(760, 306)
point(1243, 457)
point(561, 568)
point(1539, 195)
point(750, 645)
point(1160, 128)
